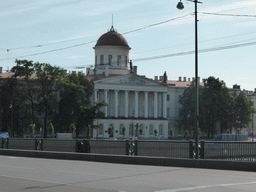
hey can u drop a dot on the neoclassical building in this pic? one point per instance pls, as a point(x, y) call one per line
point(134, 101)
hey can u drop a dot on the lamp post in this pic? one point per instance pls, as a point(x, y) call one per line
point(181, 6)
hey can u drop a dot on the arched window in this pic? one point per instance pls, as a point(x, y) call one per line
point(151, 127)
point(141, 127)
point(130, 129)
point(120, 129)
point(101, 129)
point(160, 129)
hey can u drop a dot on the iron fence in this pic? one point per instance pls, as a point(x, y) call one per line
point(243, 151)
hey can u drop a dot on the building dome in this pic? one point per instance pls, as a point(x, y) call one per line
point(112, 38)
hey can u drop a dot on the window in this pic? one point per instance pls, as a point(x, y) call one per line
point(126, 61)
point(109, 59)
point(141, 127)
point(168, 97)
point(119, 60)
point(95, 60)
point(161, 129)
point(151, 129)
point(100, 129)
point(102, 59)
point(168, 112)
point(120, 129)
point(130, 129)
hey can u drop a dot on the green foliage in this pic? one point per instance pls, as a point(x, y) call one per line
point(199, 132)
point(31, 128)
point(89, 131)
point(217, 106)
point(110, 131)
point(228, 133)
point(171, 132)
point(238, 131)
point(186, 133)
point(51, 128)
point(155, 132)
point(141, 131)
point(123, 130)
point(72, 128)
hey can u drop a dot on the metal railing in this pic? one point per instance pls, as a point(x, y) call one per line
point(227, 150)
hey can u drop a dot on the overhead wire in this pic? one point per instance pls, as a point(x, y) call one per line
point(199, 51)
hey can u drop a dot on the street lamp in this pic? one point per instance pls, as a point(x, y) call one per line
point(181, 6)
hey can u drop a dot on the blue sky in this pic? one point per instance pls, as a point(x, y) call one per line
point(64, 32)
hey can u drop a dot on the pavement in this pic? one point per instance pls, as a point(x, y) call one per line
point(36, 174)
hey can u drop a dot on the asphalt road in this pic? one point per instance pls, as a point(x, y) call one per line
point(33, 174)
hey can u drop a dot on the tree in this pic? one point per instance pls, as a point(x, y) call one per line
point(217, 107)
point(48, 78)
point(75, 105)
point(242, 111)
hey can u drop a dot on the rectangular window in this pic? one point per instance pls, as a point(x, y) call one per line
point(119, 60)
point(102, 59)
point(168, 97)
point(126, 61)
point(95, 60)
point(109, 59)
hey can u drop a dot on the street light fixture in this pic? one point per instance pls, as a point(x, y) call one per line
point(181, 6)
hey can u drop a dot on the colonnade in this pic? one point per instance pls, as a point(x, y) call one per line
point(156, 103)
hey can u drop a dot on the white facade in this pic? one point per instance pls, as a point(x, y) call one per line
point(132, 100)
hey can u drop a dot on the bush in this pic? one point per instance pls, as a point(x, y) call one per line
point(72, 128)
point(155, 132)
point(123, 130)
point(31, 128)
point(110, 131)
point(51, 128)
point(171, 132)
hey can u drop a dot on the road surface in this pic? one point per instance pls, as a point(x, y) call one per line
point(34, 174)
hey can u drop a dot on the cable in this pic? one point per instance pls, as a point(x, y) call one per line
point(232, 15)
point(200, 51)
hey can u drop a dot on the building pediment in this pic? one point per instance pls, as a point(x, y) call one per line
point(130, 79)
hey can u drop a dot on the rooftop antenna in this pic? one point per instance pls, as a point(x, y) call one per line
point(112, 27)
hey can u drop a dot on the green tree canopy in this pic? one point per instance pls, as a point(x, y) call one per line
point(217, 107)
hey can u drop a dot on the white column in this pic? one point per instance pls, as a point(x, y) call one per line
point(136, 107)
point(126, 104)
point(155, 104)
point(164, 105)
point(116, 103)
point(95, 95)
point(106, 101)
point(146, 104)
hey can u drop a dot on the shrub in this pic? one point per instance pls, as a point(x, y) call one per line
point(155, 132)
point(141, 131)
point(123, 130)
point(110, 131)
point(31, 128)
point(171, 132)
point(51, 128)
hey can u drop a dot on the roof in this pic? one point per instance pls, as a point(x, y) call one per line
point(112, 38)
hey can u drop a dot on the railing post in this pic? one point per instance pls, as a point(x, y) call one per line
point(202, 150)
point(136, 148)
point(127, 147)
point(42, 144)
point(191, 153)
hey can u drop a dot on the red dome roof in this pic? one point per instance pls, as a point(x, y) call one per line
point(112, 38)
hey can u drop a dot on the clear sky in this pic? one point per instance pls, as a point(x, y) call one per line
point(64, 32)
